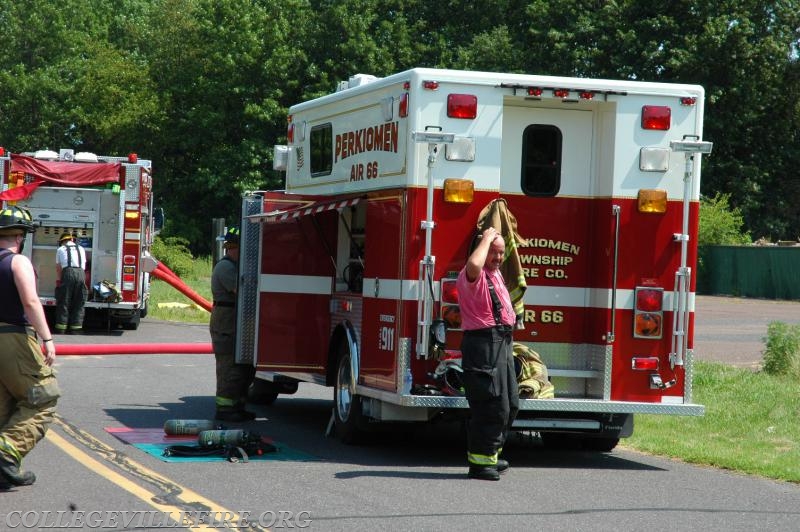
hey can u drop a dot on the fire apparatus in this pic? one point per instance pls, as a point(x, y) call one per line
point(348, 275)
point(107, 202)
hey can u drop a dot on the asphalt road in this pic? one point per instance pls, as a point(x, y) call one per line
point(409, 478)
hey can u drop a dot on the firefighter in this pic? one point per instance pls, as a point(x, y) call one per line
point(489, 379)
point(28, 387)
point(71, 288)
point(233, 380)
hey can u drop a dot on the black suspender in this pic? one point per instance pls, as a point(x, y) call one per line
point(497, 307)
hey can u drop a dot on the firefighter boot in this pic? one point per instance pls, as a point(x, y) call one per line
point(9, 470)
point(502, 465)
point(483, 472)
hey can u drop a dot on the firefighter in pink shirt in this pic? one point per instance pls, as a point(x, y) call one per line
point(489, 378)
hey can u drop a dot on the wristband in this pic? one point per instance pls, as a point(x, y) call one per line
point(48, 340)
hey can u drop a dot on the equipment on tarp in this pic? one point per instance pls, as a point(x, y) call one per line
point(181, 427)
point(235, 445)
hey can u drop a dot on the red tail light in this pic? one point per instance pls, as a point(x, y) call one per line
point(430, 85)
point(403, 110)
point(649, 299)
point(534, 91)
point(644, 363)
point(462, 106)
point(451, 312)
point(656, 117)
point(688, 100)
point(449, 291)
point(648, 316)
point(561, 93)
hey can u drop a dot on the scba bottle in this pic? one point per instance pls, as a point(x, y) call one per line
point(221, 438)
point(181, 427)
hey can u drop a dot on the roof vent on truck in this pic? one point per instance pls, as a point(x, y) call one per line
point(356, 81)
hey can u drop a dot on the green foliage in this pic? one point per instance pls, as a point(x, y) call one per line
point(719, 223)
point(782, 355)
point(751, 424)
point(174, 252)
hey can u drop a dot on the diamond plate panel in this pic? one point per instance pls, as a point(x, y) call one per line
point(249, 270)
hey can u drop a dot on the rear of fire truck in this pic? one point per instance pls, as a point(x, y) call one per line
point(596, 185)
point(107, 204)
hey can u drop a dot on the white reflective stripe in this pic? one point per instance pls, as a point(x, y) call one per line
point(295, 284)
point(597, 297)
point(133, 236)
point(405, 290)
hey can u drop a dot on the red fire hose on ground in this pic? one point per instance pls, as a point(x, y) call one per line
point(161, 271)
point(134, 349)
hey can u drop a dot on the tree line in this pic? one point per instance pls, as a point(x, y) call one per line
point(202, 87)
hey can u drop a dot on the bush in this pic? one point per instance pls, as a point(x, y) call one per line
point(782, 355)
point(174, 252)
point(720, 224)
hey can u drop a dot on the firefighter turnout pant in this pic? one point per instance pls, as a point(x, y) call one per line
point(490, 385)
point(70, 300)
point(28, 393)
point(233, 379)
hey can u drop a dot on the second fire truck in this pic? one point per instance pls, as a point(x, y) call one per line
point(107, 203)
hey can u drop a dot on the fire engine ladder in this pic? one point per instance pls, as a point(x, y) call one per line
point(690, 146)
point(425, 296)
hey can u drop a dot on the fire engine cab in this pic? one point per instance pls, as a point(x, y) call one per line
point(107, 204)
point(348, 275)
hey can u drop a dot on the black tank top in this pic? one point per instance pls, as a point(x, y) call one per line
point(11, 311)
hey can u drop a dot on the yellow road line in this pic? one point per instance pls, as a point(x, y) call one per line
point(193, 502)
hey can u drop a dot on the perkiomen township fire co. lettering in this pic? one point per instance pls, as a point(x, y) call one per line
point(382, 137)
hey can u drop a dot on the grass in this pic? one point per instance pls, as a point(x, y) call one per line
point(751, 425)
point(168, 303)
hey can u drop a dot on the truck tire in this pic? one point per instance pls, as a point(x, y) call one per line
point(262, 393)
point(349, 420)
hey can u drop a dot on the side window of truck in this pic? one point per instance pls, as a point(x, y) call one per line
point(541, 160)
point(321, 142)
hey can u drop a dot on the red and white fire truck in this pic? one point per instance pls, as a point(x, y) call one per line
point(347, 276)
point(108, 203)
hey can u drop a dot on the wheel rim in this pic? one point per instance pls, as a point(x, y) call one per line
point(344, 393)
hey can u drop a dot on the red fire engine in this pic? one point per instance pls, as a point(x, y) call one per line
point(107, 202)
point(347, 276)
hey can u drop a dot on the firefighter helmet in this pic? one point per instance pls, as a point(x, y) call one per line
point(65, 236)
point(232, 236)
point(14, 218)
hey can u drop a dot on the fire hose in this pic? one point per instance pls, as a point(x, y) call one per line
point(196, 348)
point(161, 271)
